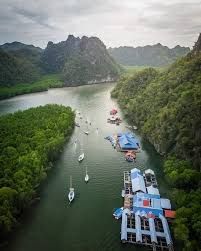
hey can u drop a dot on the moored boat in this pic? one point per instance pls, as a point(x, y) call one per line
point(71, 194)
point(86, 178)
point(81, 157)
point(130, 156)
point(118, 213)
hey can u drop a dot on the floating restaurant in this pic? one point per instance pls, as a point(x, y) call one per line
point(124, 142)
point(145, 214)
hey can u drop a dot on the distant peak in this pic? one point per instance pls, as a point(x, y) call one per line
point(50, 43)
point(85, 38)
point(71, 37)
point(159, 44)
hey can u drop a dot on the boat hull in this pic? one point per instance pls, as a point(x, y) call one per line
point(86, 178)
point(71, 196)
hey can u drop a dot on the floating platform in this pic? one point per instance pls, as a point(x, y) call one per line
point(124, 142)
point(144, 217)
point(153, 233)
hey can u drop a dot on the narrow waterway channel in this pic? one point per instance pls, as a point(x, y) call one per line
point(87, 224)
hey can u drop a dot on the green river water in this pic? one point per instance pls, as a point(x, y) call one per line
point(87, 224)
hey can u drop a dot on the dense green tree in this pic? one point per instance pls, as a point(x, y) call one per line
point(30, 141)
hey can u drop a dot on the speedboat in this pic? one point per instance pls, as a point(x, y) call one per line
point(118, 213)
point(71, 193)
point(86, 132)
point(81, 157)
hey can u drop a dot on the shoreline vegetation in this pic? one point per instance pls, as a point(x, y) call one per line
point(43, 84)
point(166, 108)
point(55, 81)
point(31, 141)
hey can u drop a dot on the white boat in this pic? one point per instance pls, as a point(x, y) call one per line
point(81, 157)
point(71, 193)
point(86, 176)
point(135, 127)
point(86, 132)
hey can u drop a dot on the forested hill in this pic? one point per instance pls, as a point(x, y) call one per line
point(19, 63)
point(150, 55)
point(76, 61)
point(80, 60)
point(18, 67)
point(30, 141)
point(16, 46)
point(166, 107)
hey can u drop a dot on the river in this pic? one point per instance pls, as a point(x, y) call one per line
point(87, 224)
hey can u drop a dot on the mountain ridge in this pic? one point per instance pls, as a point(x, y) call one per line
point(80, 60)
point(15, 45)
point(149, 55)
point(77, 60)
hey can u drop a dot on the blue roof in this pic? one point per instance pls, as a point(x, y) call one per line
point(154, 211)
point(118, 212)
point(127, 141)
point(149, 196)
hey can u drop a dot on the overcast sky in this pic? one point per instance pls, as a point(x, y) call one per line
point(115, 22)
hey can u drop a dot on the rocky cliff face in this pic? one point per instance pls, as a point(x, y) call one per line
point(80, 60)
point(197, 46)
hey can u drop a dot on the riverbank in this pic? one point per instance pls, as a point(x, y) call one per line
point(31, 141)
point(46, 82)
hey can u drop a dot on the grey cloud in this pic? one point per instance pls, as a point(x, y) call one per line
point(35, 16)
point(115, 22)
point(177, 16)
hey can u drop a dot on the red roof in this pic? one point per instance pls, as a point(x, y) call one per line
point(146, 203)
point(170, 214)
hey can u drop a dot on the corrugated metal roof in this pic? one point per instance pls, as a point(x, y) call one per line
point(135, 170)
point(165, 203)
point(147, 195)
point(153, 190)
point(148, 210)
point(138, 184)
point(156, 203)
point(127, 141)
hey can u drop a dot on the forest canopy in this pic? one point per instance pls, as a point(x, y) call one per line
point(166, 106)
point(30, 141)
